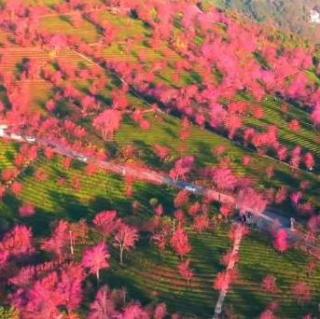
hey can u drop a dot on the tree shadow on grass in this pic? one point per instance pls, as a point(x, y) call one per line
point(70, 206)
point(117, 279)
point(39, 222)
point(148, 155)
point(204, 151)
point(246, 302)
point(209, 256)
point(170, 132)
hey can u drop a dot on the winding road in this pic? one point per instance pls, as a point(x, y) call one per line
point(268, 221)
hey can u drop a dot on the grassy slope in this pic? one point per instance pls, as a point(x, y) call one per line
point(148, 275)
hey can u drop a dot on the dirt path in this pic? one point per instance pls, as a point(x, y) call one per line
point(230, 266)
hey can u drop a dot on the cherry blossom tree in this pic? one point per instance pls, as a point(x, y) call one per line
point(27, 210)
point(17, 242)
point(108, 122)
point(70, 286)
point(269, 284)
point(302, 292)
point(125, 238)
point(160, 312)
point(103, 306)
point(59, 241)
point(185, 270)
point(107, 222)
point(182, 167)
point(180, 242)
point(268, 314)
point(248, 200)
point(96, 258)
point(281, 240)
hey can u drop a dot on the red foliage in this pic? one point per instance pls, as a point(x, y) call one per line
point(182, 167)
point(103, 306)
point(108, 122)
point(185, 270)
point(269, 284)
point(96, 258)
point(201, 223)
point(248, 200)
point(281, 241)
point(268, 314)
point(27, 210)
point(125, 238)
point(180, 242)
point(302, 292)
point(17, 242)
point(107, 222)
point(59, 241)
point(224, 280)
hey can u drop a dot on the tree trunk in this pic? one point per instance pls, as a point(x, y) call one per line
point(71, 243)
point(98, 277)
point(121, 255)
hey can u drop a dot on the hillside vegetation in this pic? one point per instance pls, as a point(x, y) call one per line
point(178, 90)
point(290, 16)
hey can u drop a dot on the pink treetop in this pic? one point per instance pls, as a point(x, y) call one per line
point(309, 161)
point(181, 198)
point(230, 257)
point(296, 198)
point(96, 258)
point(108, 122)
point(160, 311)
point(296, 157)
point(180, 242)
point(107, 222)
point(302, 292)
point(248, 200)
point(281, 241)
point(17, 242)
point(16, 188)
point(268, 314)
point(281, 195)
point(70, 286)
point(103, 306)
point(59, 240)
point(41, 300)
point(185, 270)
point(233, 123)
point(125, 238)
point(294, 125)
point(201, 223)
point(182, 167)
point(269, 284)
point(224, 179)
point(162, 152)
point(58, 42)
point(135, 311)
point(159, 210)
point(27, 210)
point(224, 280)
point(315, 116)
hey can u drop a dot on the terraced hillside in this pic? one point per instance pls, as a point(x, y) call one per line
point(226, 105)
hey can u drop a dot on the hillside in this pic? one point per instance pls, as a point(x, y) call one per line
point(134, 134)
point(293, 16)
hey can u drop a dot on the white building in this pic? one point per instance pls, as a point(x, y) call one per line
point(315, 16)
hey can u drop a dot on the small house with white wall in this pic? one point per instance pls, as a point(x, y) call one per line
point(315, 15)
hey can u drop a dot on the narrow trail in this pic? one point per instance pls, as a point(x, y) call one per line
point(230, 267)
